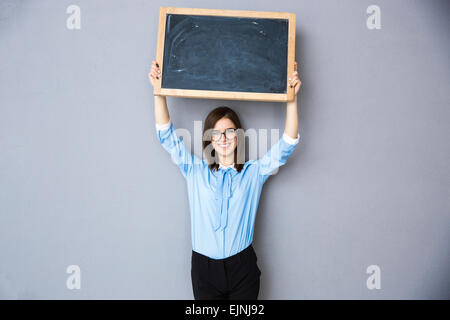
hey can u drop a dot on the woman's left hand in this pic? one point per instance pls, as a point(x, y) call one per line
point(293, 80)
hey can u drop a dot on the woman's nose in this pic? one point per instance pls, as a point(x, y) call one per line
point(222, 138)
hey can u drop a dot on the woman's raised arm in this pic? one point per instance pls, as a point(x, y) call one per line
point(280, 152)
point(161, 112)
point(165, 131)
point(291, 127)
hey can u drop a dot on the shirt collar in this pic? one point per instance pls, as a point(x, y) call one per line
point(226, 167)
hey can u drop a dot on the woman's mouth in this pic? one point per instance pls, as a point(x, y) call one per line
point(224, 145)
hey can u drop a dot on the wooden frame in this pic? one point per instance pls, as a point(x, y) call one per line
point(227, 95)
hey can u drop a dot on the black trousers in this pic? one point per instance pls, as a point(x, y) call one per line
point(236, 277)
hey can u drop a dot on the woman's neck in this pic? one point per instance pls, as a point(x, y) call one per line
point(226, 161)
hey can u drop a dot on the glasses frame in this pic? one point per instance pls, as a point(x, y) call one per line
point(223, 133)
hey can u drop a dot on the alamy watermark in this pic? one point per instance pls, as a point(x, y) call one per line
point(374, 20)
point(374, 280)
point(74, 280)
point(73, 22)
point(252, 144)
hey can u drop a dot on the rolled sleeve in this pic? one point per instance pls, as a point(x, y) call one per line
point(165, 126)
point(291, 140)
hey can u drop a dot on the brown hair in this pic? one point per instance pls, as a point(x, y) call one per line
point(210, 121)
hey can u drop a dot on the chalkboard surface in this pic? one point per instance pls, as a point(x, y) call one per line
point(225, 53)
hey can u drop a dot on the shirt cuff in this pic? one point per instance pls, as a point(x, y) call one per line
point(291, 140)
point(163, 126)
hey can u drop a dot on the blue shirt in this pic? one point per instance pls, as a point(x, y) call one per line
point(223, 203)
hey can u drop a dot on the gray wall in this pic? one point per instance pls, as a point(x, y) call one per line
point(84, 180)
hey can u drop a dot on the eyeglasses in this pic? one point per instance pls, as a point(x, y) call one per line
point(229, 133)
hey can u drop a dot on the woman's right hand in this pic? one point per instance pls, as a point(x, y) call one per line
point(155, 73)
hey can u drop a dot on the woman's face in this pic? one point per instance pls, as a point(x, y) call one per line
point(223, 146)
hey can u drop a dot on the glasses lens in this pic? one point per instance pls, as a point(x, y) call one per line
point(215, 134)
point(230, 133)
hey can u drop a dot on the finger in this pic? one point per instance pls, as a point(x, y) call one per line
point(156, 71)
point(155, 65)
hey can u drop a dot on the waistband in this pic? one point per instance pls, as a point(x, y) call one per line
point(247, 251)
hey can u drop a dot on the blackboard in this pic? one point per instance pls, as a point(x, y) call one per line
point(221, 55)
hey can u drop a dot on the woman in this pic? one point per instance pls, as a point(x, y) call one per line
point(224, 195)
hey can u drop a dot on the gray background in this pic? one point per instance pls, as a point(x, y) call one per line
point(84, 180)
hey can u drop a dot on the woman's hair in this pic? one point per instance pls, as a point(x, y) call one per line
point(210, 121)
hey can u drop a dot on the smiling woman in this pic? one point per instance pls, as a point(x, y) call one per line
point(227, 143)
point(220, 131)
point(224, 192)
